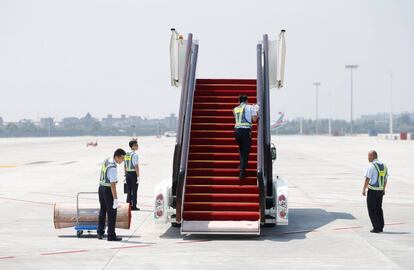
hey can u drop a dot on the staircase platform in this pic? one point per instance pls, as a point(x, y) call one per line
point(220, 227)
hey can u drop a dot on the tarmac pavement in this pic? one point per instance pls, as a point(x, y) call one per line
point(328, 229)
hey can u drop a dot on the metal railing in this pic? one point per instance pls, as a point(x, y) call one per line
point(267, 161)
point(186, 109)
point(264, 157)
point(260, 157)
point(181, 117)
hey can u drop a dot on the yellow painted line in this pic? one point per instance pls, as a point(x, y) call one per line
point(7, 166)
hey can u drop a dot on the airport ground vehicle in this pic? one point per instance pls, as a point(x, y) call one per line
point(89, 226)
point(205, 195)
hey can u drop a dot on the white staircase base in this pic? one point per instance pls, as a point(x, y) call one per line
point(220, 227)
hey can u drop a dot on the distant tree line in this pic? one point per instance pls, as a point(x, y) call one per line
point(88, 126)
point(401, 123)
point(29, 129)
point(91, 127)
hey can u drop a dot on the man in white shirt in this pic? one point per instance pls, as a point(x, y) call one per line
point(376, 177)
point(108, 197)
point(245, 114)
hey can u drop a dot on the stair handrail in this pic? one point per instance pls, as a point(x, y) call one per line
point(190, 85)
point(260, 153)
point(267, 156)
point(181, 118)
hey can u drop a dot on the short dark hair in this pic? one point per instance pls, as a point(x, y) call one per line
point(119, 152)
point(374, 153)
point(133, 142)
point(243, 98)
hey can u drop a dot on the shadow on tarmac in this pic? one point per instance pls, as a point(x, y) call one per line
point(301, 222)
point(396, 233)
point(93, 235)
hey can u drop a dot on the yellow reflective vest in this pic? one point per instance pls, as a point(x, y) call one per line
point(240, 117)
point(104, 180)
point(382, 174)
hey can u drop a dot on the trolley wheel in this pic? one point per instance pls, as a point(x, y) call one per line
point(269, 225)
point(79, 233)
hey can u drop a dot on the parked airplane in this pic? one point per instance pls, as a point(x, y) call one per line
point(93, 144)
point(279, 122)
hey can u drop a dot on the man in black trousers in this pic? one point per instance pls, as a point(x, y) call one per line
point(376, 177)
point(245, 115)
point(108, 197)
point(131, 167)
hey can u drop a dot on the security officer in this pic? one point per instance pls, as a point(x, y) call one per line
point(108, 197)
point(376, 177)
point(132, 174)
point(245, 115)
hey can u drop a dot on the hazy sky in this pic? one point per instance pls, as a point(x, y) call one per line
point(67, 58)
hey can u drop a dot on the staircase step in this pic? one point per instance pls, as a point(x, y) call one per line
point(220, 206)
point(213, 126)
point(216, 134)
point(221, 197)
point(226, 92)
point(219, 172)
point(222, 189)
point(219, 149)
point(221, 99)
point(239, 88)
point(216, 141)
point(213, 119)
point(219, 156)
point(214, 106)
point(221, 215)
point(226, 81)
point(219, 164)
point(211, 112)
point(209, 180)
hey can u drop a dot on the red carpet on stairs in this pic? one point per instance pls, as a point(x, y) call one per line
point(213, 191)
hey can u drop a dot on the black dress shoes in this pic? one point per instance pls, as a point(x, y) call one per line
point(115, 238)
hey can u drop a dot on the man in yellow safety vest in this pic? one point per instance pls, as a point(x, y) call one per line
point(376, 177)
point(245, 114)
point(108, 197)
point(132, 174)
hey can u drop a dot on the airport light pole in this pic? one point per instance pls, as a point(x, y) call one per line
point(316, 84)
point(391, 122)
point(351, 68)
point(330, 114)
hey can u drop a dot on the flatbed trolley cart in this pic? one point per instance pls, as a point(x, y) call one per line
point(88, 226)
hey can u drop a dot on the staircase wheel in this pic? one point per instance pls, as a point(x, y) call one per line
point(175, 224)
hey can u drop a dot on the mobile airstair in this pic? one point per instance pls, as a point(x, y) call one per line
point(206, 195)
